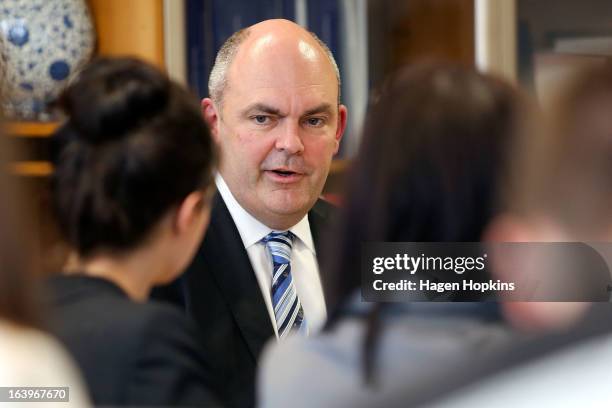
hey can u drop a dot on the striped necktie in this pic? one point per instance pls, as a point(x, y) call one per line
point(287, 306)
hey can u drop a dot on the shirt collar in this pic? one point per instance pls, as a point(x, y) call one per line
point(250, 228)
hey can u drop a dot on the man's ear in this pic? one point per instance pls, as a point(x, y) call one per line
point(508, 228)
point(189, 210)
point(211, 117)
point(342, 117)
point(502, 229)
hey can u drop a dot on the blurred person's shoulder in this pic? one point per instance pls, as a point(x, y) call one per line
point(415, 343)
point(328, 363)
point(31, 358)
point(101, 307)
point(130, 352)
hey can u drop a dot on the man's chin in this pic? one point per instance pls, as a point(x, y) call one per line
point(290, 206)
point(289, 210)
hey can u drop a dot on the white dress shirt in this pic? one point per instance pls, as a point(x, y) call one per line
point(304, 266)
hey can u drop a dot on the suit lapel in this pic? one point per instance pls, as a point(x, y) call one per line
point(231, 268)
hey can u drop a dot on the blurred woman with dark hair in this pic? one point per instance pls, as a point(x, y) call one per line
point(435, 148)
point(29, 357)
point(131, 189)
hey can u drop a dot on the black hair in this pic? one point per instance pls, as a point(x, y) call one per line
point(434, 149)
point(134, 144)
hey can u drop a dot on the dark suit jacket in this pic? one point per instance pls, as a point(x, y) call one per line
point(219, 291)
point(129, 353)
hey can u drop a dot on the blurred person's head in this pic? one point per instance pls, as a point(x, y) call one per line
point(274, 111)
point(435, 148)
point(18, 287)
point(562, 189)
point(134, 171)
point(565, 174)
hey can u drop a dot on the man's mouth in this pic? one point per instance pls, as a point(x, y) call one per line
point(284, 175)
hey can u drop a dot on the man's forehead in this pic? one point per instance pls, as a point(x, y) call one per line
point(281, 83)
point(270, 85)
point(283, 101)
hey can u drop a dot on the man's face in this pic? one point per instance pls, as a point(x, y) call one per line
point(278, 128)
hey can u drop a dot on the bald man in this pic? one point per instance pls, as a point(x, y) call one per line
point(275, 112)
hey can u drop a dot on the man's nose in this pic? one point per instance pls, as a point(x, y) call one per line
point(289, 139)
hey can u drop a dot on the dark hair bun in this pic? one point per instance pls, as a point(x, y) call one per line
point(113, 97)
point(134, 145)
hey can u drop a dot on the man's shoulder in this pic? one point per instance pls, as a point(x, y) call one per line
point(219, 209)
point(323, 209)
point(322, 218)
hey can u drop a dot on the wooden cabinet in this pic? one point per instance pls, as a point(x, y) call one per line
point(132, 27)
point(31, 136)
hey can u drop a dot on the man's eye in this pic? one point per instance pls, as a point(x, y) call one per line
point(315, 122)
point(260, 119)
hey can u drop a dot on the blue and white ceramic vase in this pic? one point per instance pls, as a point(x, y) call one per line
point(42, 44)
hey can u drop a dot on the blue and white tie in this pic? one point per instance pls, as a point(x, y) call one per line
point(287, 306)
